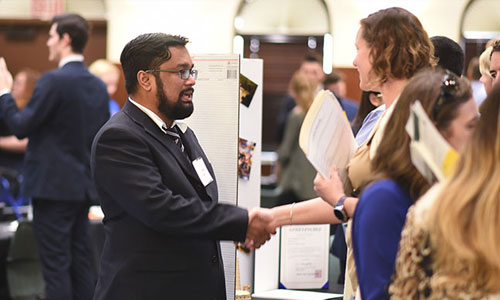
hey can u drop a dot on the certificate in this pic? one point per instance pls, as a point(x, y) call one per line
point(304, 256)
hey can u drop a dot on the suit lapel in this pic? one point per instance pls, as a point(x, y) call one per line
point(152, 129)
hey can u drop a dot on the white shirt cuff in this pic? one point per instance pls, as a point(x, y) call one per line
point(4, 91)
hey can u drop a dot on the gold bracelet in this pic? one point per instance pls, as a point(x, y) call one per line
point(291, 212)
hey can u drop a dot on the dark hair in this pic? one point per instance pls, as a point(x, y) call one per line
point(365, 107)
point(334, 77)
point(76, 27)
point(313, 57)
point(393, 159)
point(399, 45)
point(147, 51)
point(449, 54)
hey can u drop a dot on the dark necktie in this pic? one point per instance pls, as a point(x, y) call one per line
point(174, 134)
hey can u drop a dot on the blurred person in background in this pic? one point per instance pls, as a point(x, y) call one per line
point(449, 54)
point(295, 172)
point(67, 108)
point(11, 148)
point(336, 84)
point(109, 73)
point(484, 68)
point(312, 68)
point(495, 63)
point(474, 75)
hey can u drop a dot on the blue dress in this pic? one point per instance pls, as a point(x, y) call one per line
point(377, 224)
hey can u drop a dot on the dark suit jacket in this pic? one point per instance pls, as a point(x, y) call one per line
point(350, 107)
point(162, 225)
point(67, 108)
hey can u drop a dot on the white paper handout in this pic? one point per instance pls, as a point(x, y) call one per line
point(431, 154)
point(326, 136)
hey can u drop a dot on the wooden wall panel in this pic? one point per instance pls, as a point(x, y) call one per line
point(23, 44)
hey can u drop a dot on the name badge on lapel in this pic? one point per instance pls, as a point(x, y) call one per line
point(202, 171)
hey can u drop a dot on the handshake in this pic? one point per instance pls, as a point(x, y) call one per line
point(261, 224)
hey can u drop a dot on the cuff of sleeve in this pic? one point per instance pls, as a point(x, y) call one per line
point(4, 91)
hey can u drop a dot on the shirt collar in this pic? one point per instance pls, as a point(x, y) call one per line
point(157, 120)
point(70, 58)
point(380, 108)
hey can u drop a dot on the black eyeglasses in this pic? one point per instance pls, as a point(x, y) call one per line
point(449, 86)
point(184, 74)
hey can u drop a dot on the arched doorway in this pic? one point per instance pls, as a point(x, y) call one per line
point(479, 24)
point(281, 32)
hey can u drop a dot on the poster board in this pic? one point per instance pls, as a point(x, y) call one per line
point(219, 121)
point(251, 131)
point(215, 121)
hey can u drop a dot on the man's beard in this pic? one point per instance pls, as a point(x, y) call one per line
point(178, 111)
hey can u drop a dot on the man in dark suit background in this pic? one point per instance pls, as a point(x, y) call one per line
point(67, 108)
point(336, 84)
point(157, 188)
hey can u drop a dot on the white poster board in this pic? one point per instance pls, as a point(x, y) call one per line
point(215, 122)
point(251, 130)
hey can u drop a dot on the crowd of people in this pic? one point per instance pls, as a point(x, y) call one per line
point(407, 237)
point(387, 183)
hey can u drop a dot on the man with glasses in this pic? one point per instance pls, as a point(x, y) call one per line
point(158, 191)
point(67, 108)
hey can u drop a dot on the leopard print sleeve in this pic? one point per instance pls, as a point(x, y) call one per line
point(411, 277)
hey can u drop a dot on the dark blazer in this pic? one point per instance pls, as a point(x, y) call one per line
point(67, 108)
point(162, 225)
point(350, 107)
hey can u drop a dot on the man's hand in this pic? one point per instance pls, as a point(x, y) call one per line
point(5, 76)
point(260, 227)
point(331, 189)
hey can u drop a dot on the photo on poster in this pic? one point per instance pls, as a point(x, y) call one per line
point(245, 154)
point(247, 90)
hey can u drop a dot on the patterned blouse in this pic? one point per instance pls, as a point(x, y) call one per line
point(414, 277)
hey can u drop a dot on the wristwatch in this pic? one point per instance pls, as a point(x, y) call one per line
point(339, 210)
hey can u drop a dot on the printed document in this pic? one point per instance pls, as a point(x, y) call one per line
point(304, 256)
point(326, 136)
point(431, 154)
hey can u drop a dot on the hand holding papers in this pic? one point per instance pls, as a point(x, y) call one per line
point(430, 152)
point(329, 189)
point(326, 136)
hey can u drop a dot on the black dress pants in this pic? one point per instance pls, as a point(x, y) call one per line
point(62, 234)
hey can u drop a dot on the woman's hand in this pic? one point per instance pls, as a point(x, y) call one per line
point(331, 189)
